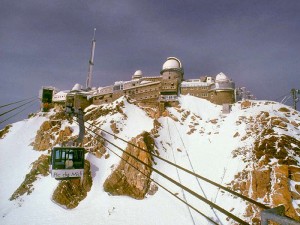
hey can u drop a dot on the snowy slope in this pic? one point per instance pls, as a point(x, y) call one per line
point(195, 135)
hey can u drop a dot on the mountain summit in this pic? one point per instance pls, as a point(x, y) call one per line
point(253, 150)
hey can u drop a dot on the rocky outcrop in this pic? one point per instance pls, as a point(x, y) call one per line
point(155, 129)
point(125, 179)
point(50, 134)
point(245, 104)
point(94, 145)
point(114, 127)
point(39, 167)
point(273, 171)
point(270, 184)
point(64, 135)
point(70, 193)
point(4, 131)
point(103, 110)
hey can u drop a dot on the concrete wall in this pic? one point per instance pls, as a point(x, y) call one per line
point(200, 92)
point(169, 86)
point(169, 75)
point(222, 97)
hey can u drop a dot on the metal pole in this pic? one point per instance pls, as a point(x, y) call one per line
point(80, 117)
point(293, 93)
point(91, 63)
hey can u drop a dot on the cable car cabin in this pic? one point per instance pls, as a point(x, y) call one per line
point(67, 163)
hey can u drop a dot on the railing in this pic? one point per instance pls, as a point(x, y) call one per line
point(166, 98)
point(277, 215)
point(229, 85)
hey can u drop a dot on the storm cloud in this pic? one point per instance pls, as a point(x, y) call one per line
point(255, 43)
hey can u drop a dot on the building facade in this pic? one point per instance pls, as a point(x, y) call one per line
point(159, 91)
point(168, 86)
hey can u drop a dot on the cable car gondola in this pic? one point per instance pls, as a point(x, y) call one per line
point(67, 162)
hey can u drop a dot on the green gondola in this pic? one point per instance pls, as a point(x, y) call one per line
point(67, 162)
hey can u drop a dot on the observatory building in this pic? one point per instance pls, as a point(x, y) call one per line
point(168, 86)
point(156, 91)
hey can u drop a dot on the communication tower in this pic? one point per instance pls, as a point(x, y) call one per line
point(91, 63)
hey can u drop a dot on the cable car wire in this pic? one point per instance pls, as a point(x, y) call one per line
point(192, 167)
point(282, 96)
point(190, 172)
point(237, 219)
point(155, 181)
point(17, 107)
point(160, 185)
point(16, 113)
point(178, 175)
point(16, 102)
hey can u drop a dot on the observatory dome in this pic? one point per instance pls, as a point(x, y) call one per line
point(221, 77)
point(172, 63)
point(77, 87)
point(137, 75)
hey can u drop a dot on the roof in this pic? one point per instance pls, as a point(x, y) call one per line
point(172, 63)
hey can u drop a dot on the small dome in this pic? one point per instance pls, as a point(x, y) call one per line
point(221, 77)
point(137, 75)
point(172, 63)
point(77, 87)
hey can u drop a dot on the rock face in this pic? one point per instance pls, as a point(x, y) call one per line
point(96, 146)
point(40, 166)
point(69, 193)
point(103, 110)
point(126, 180)
point(273, 170)
point(4, 131)
point(50, 134)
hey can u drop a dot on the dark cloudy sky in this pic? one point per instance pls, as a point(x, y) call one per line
point(254, 42)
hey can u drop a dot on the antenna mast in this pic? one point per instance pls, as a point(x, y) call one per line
point(91, 63)
point(294, 93)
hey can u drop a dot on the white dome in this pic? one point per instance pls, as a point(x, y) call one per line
point(77, 87)
point(172, 63)
point(221, 77)
point(137, 75)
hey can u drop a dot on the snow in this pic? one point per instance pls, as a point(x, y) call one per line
point(207, 151)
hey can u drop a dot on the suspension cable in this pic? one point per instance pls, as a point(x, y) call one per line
point(190, 172)
point(237, 219)
point(17, 107)
point(282, 96)
point(179, 179)
point(17, 113)
point(192, 167)
point(160, 185)
point(16, 102)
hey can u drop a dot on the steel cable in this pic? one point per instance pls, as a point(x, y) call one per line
point(16, 102)
point(17, 107)
point(237, 219)
point(160, 185)
point(190, 172)
point(16, 113)
point(178, 175)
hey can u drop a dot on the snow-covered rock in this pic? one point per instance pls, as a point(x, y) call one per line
point(253, 146)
